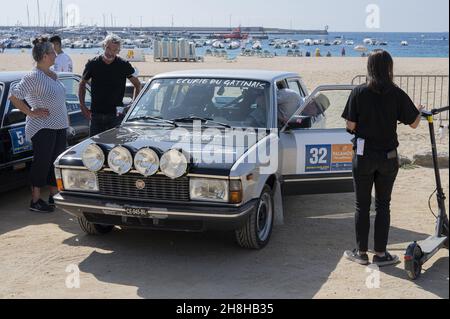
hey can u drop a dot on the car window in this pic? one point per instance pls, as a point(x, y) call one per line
point(295, 85)
point(12, 115)
point(238, 103)
point(327, 105)
point(72, 101)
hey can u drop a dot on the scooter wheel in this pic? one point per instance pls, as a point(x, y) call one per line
point(445, 233)
point(413, 264)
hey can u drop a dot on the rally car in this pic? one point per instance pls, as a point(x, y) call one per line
point(205, 149)
point(16, 153)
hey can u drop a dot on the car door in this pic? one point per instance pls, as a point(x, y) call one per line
point(318, 159)
point(78, 122)
point(12, 133)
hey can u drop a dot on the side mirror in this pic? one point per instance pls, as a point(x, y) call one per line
point(300, 122)
point(14, 116)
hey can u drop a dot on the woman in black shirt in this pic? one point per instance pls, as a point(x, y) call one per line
point(372, 113)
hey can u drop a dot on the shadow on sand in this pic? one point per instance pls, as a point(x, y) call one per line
point(296, 264)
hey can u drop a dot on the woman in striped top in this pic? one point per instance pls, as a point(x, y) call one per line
point(47, 121)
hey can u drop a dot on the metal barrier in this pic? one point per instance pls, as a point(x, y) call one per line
point(432, 91)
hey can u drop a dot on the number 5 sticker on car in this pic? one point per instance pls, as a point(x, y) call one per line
point(19, 143)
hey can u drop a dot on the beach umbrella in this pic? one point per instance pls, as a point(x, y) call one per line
point(360, 48)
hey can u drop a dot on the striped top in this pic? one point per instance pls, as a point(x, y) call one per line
point(41, 91)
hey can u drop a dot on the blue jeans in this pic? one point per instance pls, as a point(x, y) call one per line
point(373, 169)
point(102, 122)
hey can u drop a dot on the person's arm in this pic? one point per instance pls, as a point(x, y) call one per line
point(137, 86)
point(20, 105)
point(87, 75)
point(20, 92)
point(416, 124)
point(350, 113)
point(408, 113)
point(82, 96)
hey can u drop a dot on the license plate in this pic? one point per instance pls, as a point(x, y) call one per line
point(144, 213)
point(138, 212)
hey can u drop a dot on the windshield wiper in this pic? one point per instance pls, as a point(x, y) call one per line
point(153, 118)
point(205, 120)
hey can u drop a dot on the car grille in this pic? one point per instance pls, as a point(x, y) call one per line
point(157, 187)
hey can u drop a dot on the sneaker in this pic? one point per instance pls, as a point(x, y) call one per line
point(354, 256)
point(40, 207)
point(51, 201)
point(387, 260)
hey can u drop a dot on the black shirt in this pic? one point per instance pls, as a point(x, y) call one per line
point(377, 115)
point(108, 83)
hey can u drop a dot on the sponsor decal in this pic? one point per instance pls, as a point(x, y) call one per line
point(328, 158)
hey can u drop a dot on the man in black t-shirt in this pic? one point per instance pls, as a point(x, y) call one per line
point(108, 74)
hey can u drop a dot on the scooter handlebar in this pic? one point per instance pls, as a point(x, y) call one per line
point(435, 111)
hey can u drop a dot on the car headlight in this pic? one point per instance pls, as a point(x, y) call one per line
point(93, 158)
point(211, 190)
point(174, 164)
point(120, 160)
point(79, 180)
point(146, 162)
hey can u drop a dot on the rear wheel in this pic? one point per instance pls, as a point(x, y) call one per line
point(256, 232)
point(94, 229)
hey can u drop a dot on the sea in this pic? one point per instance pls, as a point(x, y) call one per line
point(420, 45)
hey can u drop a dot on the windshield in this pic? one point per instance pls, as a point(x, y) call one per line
point(233, 102)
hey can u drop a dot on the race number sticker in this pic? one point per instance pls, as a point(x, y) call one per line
point(19, 143)
point(318, 158)
point(328, 158)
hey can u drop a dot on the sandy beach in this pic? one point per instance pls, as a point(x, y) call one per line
point(304, 259)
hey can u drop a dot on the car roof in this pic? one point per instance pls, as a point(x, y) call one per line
point(18, 75)
point(245, 74)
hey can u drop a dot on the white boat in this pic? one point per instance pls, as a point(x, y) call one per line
point(337, 42)
point(349, 42)
point(218, 45)
point(360, 48)
point(257, 46)
point(368, 41)
point(234, 45)
point(308, 42)
point(404, 43)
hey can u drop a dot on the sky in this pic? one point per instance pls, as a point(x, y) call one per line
point(339, 15)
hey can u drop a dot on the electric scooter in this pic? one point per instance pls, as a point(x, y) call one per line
point(417, 255)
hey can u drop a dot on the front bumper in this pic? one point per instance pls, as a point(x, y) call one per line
point(178, 217)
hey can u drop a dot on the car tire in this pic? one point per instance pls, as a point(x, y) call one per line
point(256, 232)
point(94, 229)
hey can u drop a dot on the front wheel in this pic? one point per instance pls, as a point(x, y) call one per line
point(413, 263)
point(445, 231)
point(256, 232)
point(94, 229)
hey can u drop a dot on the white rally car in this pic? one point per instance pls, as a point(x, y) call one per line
point(204, 149)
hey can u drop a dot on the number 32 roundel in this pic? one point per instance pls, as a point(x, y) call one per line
point(328, 158)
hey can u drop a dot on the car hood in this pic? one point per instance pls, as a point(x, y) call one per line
point(213, 151)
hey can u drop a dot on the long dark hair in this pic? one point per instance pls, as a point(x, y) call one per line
point(380, 71)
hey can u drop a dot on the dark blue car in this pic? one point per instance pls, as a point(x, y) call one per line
point(16, 153)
